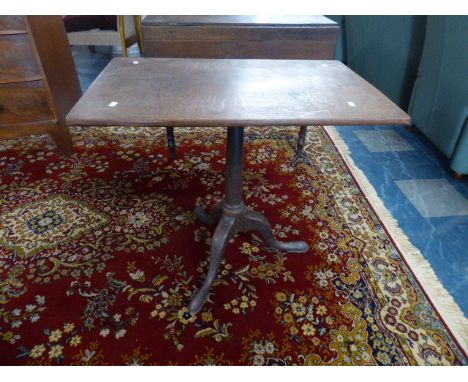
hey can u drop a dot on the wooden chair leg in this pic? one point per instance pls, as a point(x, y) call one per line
point(301, 140)
point(123, 38)
point(171, 142)
point(137, 22)
point(61, 136)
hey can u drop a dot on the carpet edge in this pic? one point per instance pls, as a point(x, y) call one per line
point(440, 298)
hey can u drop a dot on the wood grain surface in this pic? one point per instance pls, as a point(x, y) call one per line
point(225, 92)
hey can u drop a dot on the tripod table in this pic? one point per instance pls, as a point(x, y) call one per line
point(232, 93)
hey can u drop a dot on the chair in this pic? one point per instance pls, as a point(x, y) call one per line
point(385, 50)
point(102, 31)
point(439, 103)
point(128, 33)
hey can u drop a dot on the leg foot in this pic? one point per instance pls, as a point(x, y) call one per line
point(254, 221)
point(223, 233)
point(457, 175)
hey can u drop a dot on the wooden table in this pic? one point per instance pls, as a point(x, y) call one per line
point(243, 36)
point(235, 94)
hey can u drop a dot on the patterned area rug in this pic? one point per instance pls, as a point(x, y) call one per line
point(101, 252)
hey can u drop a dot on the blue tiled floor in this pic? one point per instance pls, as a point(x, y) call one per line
point(89, 64)
point(443, 241)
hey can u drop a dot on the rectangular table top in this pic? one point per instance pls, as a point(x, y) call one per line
point(239, 20)
point(221, 92)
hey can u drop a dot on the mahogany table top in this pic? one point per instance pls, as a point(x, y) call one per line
point(230, 92)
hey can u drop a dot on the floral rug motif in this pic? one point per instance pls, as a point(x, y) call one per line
point(101, 252)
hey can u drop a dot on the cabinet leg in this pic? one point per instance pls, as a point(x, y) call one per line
point(61, 136)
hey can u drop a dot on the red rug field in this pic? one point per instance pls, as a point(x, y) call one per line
point(101, 252)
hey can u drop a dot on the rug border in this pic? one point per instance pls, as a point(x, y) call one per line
point(444, 304)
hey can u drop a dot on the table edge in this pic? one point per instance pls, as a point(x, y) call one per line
point(239, 123)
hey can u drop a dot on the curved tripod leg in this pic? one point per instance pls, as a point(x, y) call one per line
point(301, 141)
point(223, 233)
point(213, 217)
point(255, 221)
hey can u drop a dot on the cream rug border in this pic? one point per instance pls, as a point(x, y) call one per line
point(422, 270)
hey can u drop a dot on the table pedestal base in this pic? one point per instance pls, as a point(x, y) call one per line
point(231, 216)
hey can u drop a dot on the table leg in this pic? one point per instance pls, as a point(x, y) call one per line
point(301, 140)
point(232, 216)
point(171, 145)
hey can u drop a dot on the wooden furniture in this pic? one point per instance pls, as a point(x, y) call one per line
point(128, 33)
point(232, 93)
point(265, 37)
point(262, 37)
point(38, 81)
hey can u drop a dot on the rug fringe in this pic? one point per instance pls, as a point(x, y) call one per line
point(439, 296)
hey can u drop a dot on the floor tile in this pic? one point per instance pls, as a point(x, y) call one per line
point(383, 140)
point(434, 197)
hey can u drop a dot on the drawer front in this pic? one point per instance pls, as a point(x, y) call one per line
point(17, 59)
point(222, 42)
point(211, 33)
point(272, 50)
point(24, 102)
point(12, 24)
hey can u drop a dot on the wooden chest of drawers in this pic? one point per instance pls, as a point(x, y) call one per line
point(38, 80)
point(262, 37)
